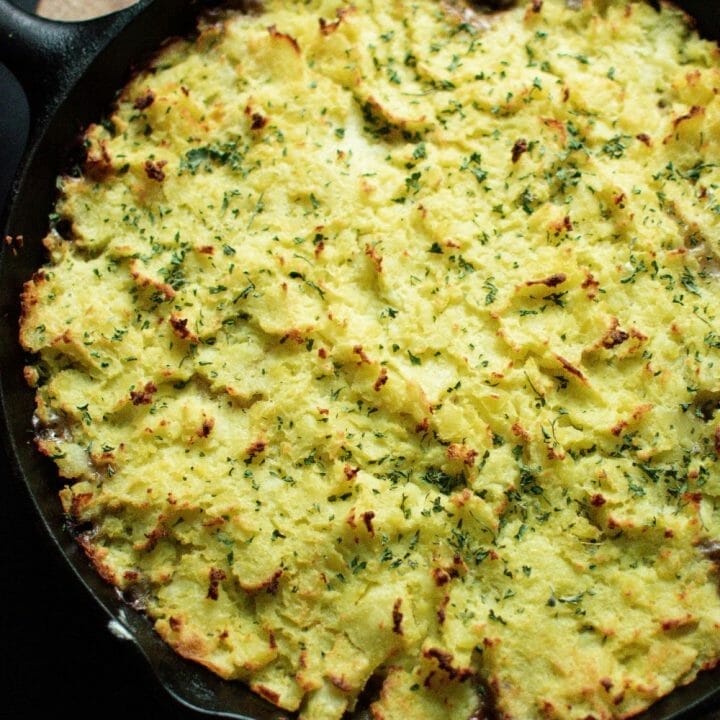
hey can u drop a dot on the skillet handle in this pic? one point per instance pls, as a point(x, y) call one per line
point(48, 57)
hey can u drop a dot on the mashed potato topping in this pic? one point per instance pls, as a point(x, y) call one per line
point(381, 340)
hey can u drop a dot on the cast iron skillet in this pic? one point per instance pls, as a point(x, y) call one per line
point(70, 73)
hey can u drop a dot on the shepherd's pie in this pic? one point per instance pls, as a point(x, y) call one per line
point(379, 341)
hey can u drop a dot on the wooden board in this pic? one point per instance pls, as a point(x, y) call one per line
point(79, 9)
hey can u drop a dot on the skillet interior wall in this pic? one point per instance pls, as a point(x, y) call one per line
point(78, 629)
point(51, 625)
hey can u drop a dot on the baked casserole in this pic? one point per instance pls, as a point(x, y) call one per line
point(379, 343)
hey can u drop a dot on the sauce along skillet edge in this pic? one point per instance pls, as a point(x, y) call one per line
point(71, 73)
